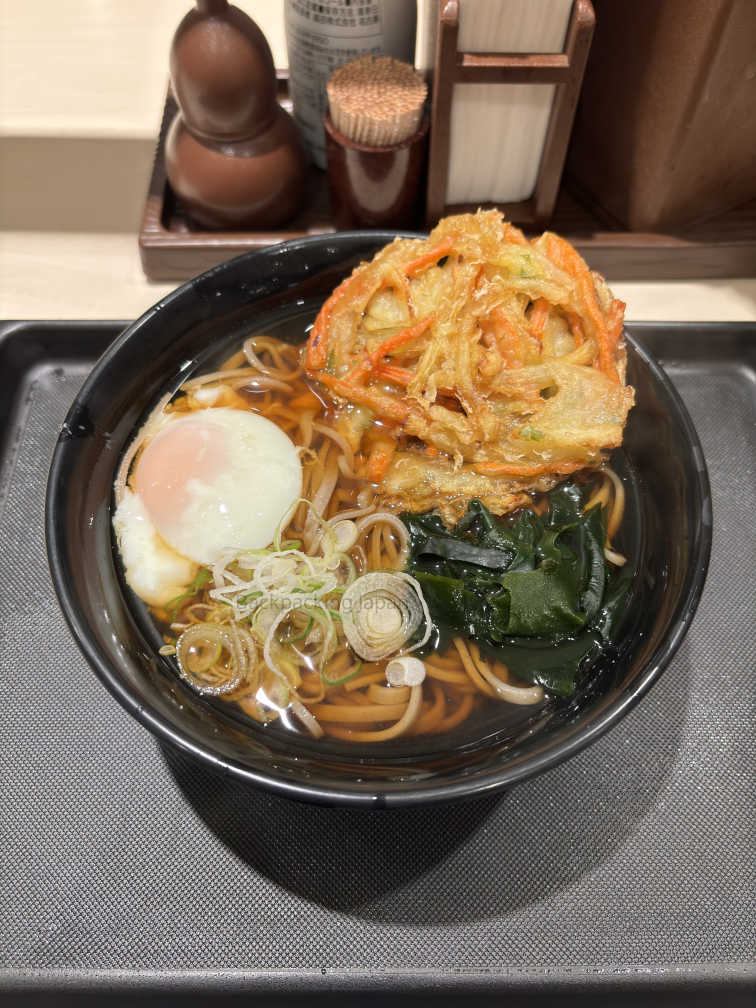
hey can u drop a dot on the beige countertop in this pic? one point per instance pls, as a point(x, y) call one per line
point(82, 84)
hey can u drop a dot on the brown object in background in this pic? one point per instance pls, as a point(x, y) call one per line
point(222, 72)
point(172, 249)
point(376, 142)
point(666, 129)
point(375, 186)
point(232, 153)
point(262, 181)
point(563, 69)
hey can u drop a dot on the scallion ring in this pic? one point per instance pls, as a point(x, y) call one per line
point(198, 653)
point(381, 611)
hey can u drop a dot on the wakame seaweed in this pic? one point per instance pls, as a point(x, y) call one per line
point(533, 590)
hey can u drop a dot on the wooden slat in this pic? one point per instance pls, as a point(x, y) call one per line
point(578, 44)
point(441, 98)
point(511, 68)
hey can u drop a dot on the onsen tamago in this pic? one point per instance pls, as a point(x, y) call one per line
point(216, 480)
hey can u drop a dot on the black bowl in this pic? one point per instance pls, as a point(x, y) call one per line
point(669, 534)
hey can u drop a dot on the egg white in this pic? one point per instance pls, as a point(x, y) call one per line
point(253, 476)
point(153, 570)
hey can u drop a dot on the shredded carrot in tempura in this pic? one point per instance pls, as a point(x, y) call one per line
point(493, 365)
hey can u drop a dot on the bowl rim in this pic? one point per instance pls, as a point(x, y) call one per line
point(340, 794)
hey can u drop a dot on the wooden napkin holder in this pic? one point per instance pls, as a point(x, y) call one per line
point(564, 69)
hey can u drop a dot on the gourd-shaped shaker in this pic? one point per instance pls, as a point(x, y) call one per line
point(232, 154)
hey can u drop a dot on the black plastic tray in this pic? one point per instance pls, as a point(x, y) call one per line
point(625, 876)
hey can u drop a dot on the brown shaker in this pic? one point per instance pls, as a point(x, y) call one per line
point(376, 142)
point(233, 155)
point(375, 186)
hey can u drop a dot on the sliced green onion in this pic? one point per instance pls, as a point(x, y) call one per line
point(346, 678)
point(299, 636)
point(206, 677)
point(201, 579)
point(277, 695)
point(320, 616)
point(308, 720)
point(200, 658)
point(381, 611)
point(344, 534)
point(405, 671)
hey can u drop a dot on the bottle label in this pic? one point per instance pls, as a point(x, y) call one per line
point(322, 35)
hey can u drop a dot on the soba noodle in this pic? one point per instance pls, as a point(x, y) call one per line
point(343, 697)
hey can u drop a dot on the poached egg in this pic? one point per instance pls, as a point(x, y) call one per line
point(206, 482)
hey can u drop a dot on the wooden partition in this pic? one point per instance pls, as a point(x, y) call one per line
point(565, 70)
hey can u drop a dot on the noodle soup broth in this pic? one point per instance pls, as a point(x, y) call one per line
point(300, 673)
